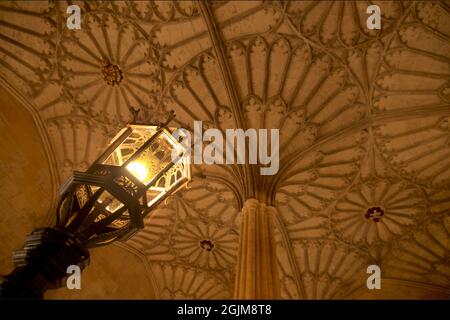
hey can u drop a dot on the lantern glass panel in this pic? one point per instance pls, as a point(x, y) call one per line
point(152, 160)
point(172, 179)
point(138, 136)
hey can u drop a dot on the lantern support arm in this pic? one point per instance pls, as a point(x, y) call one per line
point(42, 263)
point(106, 203)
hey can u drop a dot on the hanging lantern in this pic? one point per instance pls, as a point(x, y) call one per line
point(141, 167)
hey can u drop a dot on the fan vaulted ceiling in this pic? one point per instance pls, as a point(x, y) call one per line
point(363, 118)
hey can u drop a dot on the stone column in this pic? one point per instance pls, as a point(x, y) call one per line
point(257, 269)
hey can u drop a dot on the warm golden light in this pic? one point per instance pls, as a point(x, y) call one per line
point(138, 170)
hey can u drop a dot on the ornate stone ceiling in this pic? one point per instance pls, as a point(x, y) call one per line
point(363, 116)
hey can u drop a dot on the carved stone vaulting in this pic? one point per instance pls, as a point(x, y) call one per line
point(364, 119)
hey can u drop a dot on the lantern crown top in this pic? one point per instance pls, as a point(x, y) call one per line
point(135, 115)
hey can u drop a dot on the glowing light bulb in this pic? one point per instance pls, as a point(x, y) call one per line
point(138, 170)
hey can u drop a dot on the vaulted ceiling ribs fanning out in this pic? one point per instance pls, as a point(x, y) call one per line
point(364, 119)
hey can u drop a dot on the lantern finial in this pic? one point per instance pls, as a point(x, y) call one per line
point(134, 113)
point(170, 117)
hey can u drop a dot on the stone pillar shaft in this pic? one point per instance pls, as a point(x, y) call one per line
point(257, 273)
